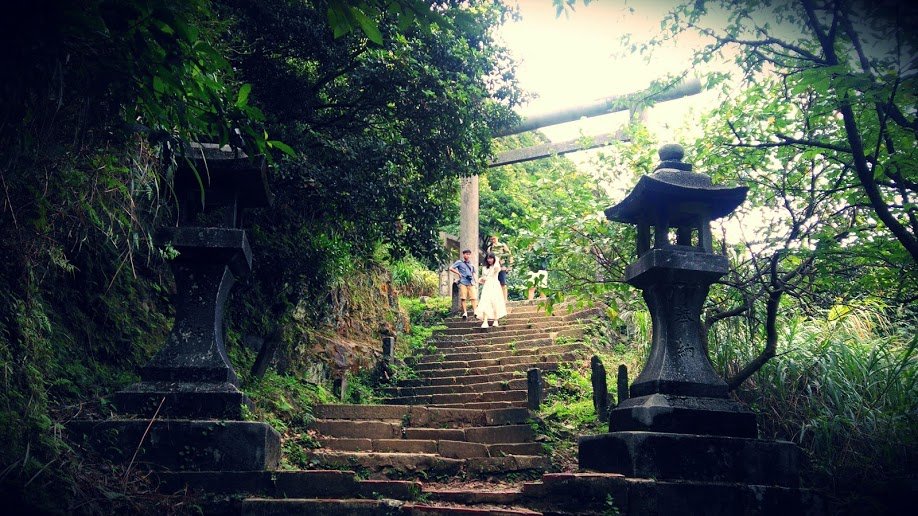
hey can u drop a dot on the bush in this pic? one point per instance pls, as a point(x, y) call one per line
point(412, 279)
point(845, 388)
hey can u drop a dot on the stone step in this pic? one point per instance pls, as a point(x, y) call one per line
point(389, 464)
point(362, 507)
point(420, 416)
point(344, 433)
point(330, 507)
point(475, 347)
point(490, 362)
point(358, 429)
point(508, 464)
point(548, 348)
point(464, 397)
point(445, 448)
point(548, 364)
point(396, 489)
point(282, 484)
point(469, 344)
point(517, 317)
point(474, 496)
point(501, 449)
point(485, 434)
point(512, 318)
point(461, 380)
point(504, 385)
point(378, 445)
point(434, 509)
point(500, 335)
point(485, 405)
point(410, 464)
point(504, 325)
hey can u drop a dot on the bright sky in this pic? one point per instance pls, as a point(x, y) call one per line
point(573, 60)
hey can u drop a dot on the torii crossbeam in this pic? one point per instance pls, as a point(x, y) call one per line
point(468, 210)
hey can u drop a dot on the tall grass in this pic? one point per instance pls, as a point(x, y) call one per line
point(413, 279)
point(844, 387)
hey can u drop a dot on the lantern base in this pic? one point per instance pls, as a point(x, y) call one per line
point(692, 457)
point(183, 444)
point(668, 413)
point(184, 400)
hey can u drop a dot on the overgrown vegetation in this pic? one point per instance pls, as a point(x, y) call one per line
point(99, 97)
point(568, 410)
point(412, 279)
point(844, 387)
point(425, 316)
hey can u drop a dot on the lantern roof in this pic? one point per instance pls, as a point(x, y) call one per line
point(674, 187)
point(212, 167)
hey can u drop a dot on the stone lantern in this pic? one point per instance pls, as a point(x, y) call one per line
point(188, 393)
point(680, 422)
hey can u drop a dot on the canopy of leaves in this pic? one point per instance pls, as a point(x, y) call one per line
point(380, 127)
point(373, 106)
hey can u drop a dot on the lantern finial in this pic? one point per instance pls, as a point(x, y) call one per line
point(671, 152)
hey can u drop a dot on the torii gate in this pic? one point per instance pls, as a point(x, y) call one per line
point(468, 210)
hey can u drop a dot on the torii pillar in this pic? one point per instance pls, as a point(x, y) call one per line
point(468, 216)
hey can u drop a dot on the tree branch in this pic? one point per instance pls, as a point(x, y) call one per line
point(771, 330)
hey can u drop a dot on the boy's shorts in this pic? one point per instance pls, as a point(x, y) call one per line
point(468, 292)
point(502, 278)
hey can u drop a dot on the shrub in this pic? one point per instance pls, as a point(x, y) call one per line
point(845, 388)
point(412, 279)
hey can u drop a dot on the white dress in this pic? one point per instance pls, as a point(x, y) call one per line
point(491, 303)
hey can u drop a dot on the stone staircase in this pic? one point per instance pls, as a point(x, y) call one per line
point(464, 414)
point(455, 440)
point(452, 440)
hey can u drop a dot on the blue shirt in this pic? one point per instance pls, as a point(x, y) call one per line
point(466, 271)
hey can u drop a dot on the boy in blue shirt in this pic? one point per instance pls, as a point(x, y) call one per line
point(467, 286)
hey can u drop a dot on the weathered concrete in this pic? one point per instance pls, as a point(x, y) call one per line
point(290, 484)
point(684, 414)
point(364, 429)
point(591, 493)
point(397, 463)
point(462, 449)
point(184, 444)
point(692, 457)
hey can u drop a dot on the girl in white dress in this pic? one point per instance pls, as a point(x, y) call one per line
point(491, 303)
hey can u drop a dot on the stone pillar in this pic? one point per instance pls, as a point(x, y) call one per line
point(187, 412)
point(680, 423)
point(600, 387)
point(534, 388)
point(468, 216)
point(622, 383)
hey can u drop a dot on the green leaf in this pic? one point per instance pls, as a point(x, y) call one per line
point(368, 26)
point(337, 20)
point(283, 147)
point(243, 97)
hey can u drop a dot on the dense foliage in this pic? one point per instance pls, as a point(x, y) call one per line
point(381, 131)
point(816, 323)
point(368, 110)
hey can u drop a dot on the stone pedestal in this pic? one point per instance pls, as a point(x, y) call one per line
point(708, 458)
point(189, 407)
point(185, 444)
point(192, 374)
point(680, 431)
point(604, 493)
